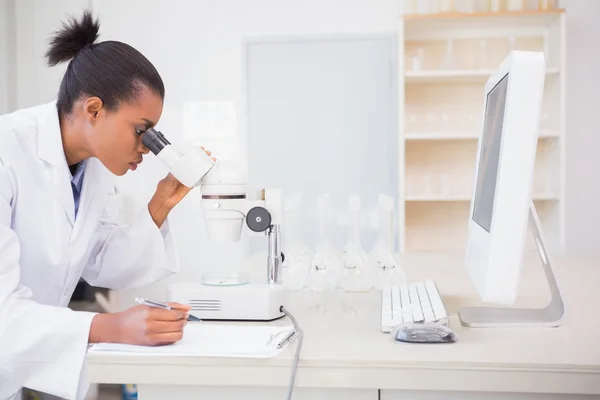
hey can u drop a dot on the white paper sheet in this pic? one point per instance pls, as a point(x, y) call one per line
point(211, 340)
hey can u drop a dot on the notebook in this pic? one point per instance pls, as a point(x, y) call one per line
point(211, 340)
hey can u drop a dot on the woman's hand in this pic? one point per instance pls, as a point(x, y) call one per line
point(169, 193)
point(141, 325)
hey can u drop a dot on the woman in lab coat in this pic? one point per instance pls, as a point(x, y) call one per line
point(60, 218)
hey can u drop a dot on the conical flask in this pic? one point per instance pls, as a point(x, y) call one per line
point(325, 264)
point(356, 273)
point(387, 269)
point(296, 263)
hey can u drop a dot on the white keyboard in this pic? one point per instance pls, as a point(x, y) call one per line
point(414, 302)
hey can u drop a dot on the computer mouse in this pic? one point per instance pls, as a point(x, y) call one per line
point(425, 332)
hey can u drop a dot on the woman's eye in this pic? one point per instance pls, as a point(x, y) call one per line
point(139, 131)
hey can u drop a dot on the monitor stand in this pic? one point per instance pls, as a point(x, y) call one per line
point(494, 317)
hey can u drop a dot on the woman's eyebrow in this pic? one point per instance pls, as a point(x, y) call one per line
point(149, 124)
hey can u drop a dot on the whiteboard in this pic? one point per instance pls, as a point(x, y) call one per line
point(321, 117)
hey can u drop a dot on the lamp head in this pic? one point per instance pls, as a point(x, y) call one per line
point(223, 201)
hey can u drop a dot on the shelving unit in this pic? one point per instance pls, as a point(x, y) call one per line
point(455, 75)
point(447, 61)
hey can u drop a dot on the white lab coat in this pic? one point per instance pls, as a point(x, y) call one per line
point(44, 252)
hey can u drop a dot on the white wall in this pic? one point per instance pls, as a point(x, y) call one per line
point(583, 127)
point(35, 21)
point(199, 40)
point(4, 58)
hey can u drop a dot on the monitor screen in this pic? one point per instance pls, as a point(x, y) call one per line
point(485, 190)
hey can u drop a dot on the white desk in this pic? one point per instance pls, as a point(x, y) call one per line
point(346, 356)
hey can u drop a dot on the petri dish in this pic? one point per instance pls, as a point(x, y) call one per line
point(224, 279)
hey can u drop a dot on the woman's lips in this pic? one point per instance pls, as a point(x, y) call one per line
point(133, 165)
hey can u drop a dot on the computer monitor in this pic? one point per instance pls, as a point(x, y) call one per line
point(502, 209)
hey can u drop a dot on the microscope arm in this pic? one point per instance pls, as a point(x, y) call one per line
point(260, 219)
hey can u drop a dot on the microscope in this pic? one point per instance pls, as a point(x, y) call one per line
point(225, 209)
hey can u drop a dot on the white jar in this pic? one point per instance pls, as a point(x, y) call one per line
point(515, 5)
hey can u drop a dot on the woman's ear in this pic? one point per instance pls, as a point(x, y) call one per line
point(92, 108)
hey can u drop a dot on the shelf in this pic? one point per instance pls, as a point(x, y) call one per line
point(424, 198)
point(433, 198)
point(416, 136)
point(437, 76)
point(502, 14)
point(473, 24)
point(444, 171)
point(439, 136)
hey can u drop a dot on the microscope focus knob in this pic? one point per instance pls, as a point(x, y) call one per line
point(258, 219)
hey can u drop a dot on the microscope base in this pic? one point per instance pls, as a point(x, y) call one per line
point(249, 302)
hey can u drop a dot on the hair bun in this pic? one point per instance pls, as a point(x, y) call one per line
point(72, 37)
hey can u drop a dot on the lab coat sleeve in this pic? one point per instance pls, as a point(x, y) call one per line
point(129, 249)
point(41, 347)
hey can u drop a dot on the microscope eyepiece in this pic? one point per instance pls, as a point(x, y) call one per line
point(154, 140)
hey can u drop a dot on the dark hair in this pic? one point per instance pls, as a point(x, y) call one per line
point(112, 71)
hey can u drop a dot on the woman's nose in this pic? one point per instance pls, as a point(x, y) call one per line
point(143, 149)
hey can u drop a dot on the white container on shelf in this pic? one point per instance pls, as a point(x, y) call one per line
point(446, 6)
point(464, 6)
point(417, 60)
point(423, 6)
point(547, 4)
point(481, 5)
point(495, 5)
point(515, 5)
point(409, 7)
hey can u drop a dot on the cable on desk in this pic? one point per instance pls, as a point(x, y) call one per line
point(300, 335)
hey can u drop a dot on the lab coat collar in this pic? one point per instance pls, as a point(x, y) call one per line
point(50, 147)
point(51, 150)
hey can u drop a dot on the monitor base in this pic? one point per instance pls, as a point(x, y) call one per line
point(496, 317)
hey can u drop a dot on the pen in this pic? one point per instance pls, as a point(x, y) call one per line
point(158, 304)
point(286, 339)
point(152, 303)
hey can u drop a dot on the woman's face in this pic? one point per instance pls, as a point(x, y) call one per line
point(116, 136)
